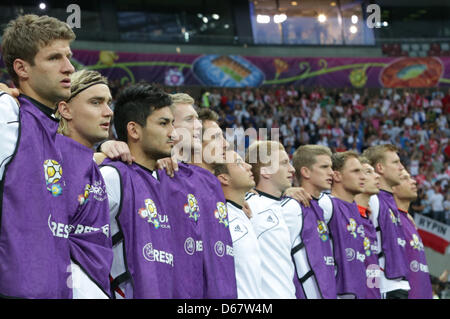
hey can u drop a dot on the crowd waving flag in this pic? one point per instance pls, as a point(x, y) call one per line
point(435, 235)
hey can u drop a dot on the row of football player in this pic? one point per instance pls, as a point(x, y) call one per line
point(357, 242)
point(163, 239)
point(186, 253)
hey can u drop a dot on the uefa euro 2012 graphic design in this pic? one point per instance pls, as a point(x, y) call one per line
point(416, 243)
point(367, 246)
point(351, 227)
point(192, 208)
point(83, 198)
point(322, 229)
point(221, 213)
point(150, 213)
point(53, 176)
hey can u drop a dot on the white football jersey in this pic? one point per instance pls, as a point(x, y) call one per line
point(278, 269)
point(247, 253)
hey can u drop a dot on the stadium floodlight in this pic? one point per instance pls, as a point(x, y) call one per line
point(353, 29)
point(354, 19)
point(279, 18)
point(322, 18)
point(262, 18)
point(205, 20)
point(215, 16)
point(42, 6)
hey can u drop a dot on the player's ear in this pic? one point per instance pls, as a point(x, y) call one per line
point(379, 168)
point(305, 172)
point(337, 176)
point(64, 110)
point(224, 179)
point(134, 130)
point(267, 171)
point(21, 68)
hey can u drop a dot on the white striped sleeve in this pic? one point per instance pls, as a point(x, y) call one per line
point(327, 206)
point(9, 129)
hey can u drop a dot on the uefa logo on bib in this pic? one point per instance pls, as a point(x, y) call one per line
point(219, 248)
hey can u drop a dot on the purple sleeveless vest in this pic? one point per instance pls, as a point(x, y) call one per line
point(186, 218)
point(369, 236)
point(146, 231)
point(418, 275)
point(90, 241)
point(204, 240)
point(218, 245)
point(393, 241)
point(35, 226)
point(316, 241)
point(348, 249)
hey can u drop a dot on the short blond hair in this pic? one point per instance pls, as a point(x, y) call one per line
point(376, 154)
point(181, 98)
point(254, 152)
point(79, 81)
point(305, 156)
point(26, 35)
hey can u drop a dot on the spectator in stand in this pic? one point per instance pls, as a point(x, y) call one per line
point(437, 203)
point(447, 208)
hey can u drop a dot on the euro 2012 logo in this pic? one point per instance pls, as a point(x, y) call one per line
point(366, 244)
point(351, 227)
point(53, 175)
point(221, 213)
point(394, 219)
point(150, 213)
point(416, 243)
point(322, 229)
point(192, 208)
point(83, 198)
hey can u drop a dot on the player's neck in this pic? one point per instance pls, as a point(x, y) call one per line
point(74, 135)
point(339, 192)
point(142, 158)
point(26, 89)
point(385, 186)
point(269, 188)
point(402, 204)
point(311, 189)
point(363, 199)
point(234, 195)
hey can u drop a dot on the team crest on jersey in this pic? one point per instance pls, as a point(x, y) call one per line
point(415, 243)
point(53, 176)
point(394, 219)
point(322, 229)
point(191, 207)
point(367, 246)
point(221, 213)
point(351, 227)
point(150, 213)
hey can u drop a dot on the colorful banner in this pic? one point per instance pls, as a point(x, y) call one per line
point(434, 234)
point(242, 71)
